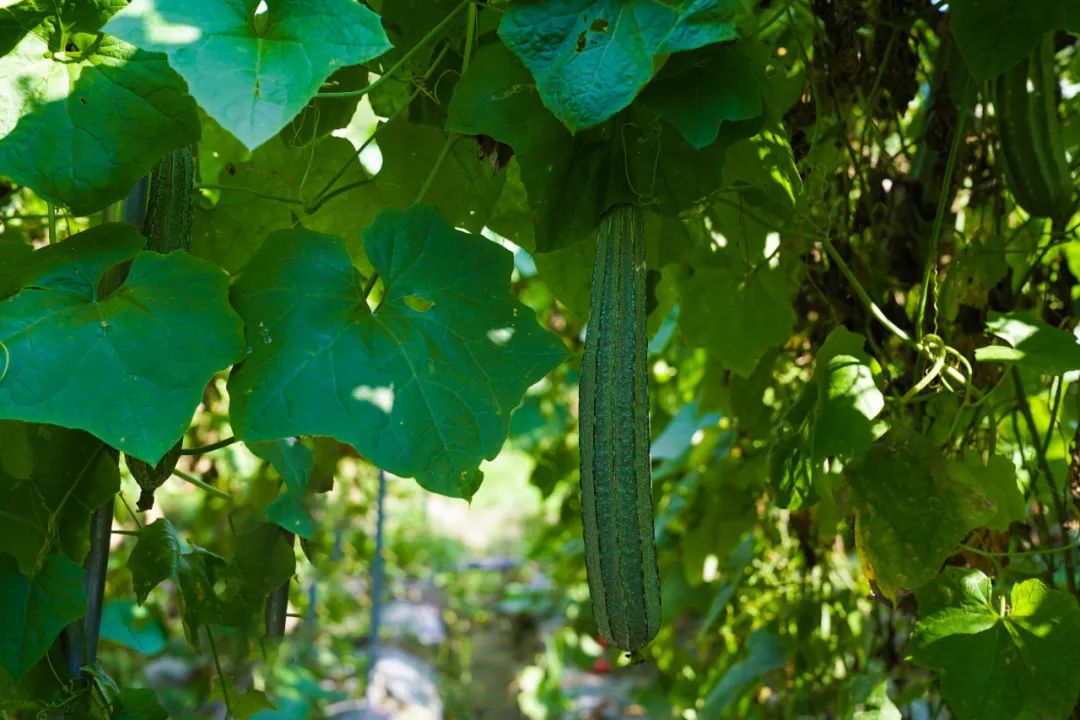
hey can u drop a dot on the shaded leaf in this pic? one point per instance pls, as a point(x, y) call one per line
point(294, 462)
point(912, 507)
point(264, 561)
point(994, 35)
point(597, 54)
point(737, 313)
point(998, 663)
point(124, 623)
point(70, 475)
point(275, 187)
point(697, 92)
point(1035, 345)
point(35, 609)
point(764, 653)
point(161, 554)
point(421, 393)
point(138, 704)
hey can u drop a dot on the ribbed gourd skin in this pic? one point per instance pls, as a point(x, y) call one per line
point(616, 483)
point(1036, 167)
point(169, 209)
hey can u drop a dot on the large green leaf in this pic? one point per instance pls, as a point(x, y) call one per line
point(253, 72)
point(999, 662)
point(912, 508)
point(82, 133)
point(35, 609)
point(70, 475)
point(144, 352)
point(994, 35)
point(591, 57)
point(424, 385)
point(1035, 345)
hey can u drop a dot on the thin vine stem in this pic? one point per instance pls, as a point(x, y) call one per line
point(944, 198)
point(1016, 553)
point(52, 223)
point(470, 29)
point(188, 478)
point(326, 194)
point(879, 314)
point(250, 191)
point(211, 447)
point(1044, 466)
point(131, 512)
point(431, 34)
point(221, 675)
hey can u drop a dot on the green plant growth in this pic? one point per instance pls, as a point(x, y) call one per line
point(740, 335)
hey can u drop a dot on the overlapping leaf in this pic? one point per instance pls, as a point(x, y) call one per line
point(1035, 345)
point(994, 35)
point(161, 554)
point(832, 417)
point(997, 662)
point(424, 385)
point(81, 133)
point(697, 92)
point(144, 353)
point(68, 476)
point(294, 463)
point(737, 312)
point(572, 180)
point(266, 66)
point(36, 608)
point(591, 57)
point(913, 506)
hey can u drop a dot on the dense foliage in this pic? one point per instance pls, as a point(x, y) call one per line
point(862, 303)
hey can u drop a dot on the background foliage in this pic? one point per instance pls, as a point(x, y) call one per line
point(862, 352)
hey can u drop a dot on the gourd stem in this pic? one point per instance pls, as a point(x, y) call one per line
point(209, 448)
point(944, 198)
point(201, 485)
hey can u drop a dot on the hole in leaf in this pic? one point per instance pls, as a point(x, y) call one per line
point(418, 303)
point(599, 25)
point(82, 100)
point(581, 41)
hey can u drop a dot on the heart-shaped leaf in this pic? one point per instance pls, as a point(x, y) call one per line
point(143, 354)
point(424, 385)
point(253, 71)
